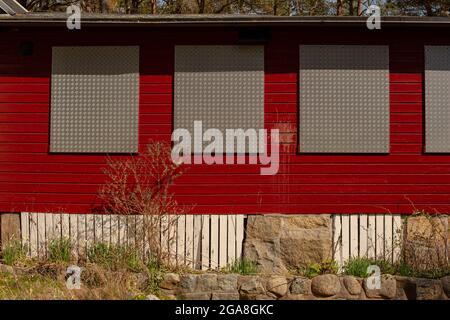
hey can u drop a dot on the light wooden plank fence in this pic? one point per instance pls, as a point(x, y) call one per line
point(197, 241)
point(367, 235)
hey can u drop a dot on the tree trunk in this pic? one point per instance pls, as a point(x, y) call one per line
point(340, 7)
point(360, 8)
point(428, 8)
point(153, 6)
point(350, 8)
point(201, 6)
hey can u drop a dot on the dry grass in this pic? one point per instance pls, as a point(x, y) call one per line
point(46, 281)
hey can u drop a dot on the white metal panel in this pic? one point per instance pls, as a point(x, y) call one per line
point(344, 99)
point(437, 98)
point(94, 99)
point(222, 86)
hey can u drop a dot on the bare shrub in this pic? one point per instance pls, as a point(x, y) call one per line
point(138, 186)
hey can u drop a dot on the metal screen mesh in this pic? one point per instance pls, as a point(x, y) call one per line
point(222, 86)
point(344, 99)
point(437, 98)
point(94, 99)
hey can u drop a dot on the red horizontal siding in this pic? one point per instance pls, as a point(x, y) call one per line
point(31, 179)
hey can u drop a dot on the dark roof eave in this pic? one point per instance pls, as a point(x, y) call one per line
point(96, 20)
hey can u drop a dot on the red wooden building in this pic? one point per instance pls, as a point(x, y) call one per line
point(363, 114)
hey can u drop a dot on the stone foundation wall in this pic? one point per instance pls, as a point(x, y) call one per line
point(280, 243)
point(211, 286)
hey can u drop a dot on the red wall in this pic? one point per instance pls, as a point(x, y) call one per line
point(31, 179)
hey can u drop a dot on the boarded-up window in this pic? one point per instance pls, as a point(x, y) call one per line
point(437, 98)
point(344, 99)
point(222, 86)
point(94, 99)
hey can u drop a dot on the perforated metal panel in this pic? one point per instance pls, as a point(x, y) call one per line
point(94, 99)
point(344, 99)
point(223, 86)
point(437, 98)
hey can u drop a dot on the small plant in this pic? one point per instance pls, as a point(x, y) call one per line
point(59, 250)
point(315, 269)
point(155, 275)
point(357, 267)
point(114, 257)
point(241, 266)
point(13, 252)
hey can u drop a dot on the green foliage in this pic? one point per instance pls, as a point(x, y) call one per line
point(156, 272)
point(357, 267)
point(114, 257)
point(241, 266)
point(13, 252)
point(59, 250)
point(312, 270)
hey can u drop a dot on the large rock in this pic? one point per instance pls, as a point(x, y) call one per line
point(301, 286)
point(279, 243)
point(426, 240)
point(428, 289)
point(225, 296)
point(188, 283)
point(227, 282)
point(277, 285)
point(170, 281)
point(196, 296)
point(387, 290)
point(446, 285)
point(252, 286)
point(326, 285)
point(206, 282)
point(352, 285)
point(266, 255)
point(406, 288)
point(263, 228)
